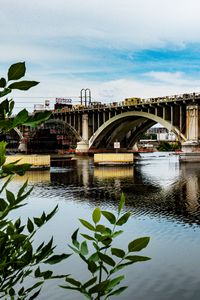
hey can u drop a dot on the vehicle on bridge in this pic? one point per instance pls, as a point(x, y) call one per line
point(131, 101)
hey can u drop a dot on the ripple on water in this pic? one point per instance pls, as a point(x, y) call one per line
point(163, 198)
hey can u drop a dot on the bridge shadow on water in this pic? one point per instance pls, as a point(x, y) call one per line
point(160, 187)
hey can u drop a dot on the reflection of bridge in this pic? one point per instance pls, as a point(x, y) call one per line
point(99, 126)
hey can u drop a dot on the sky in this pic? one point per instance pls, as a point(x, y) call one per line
point(116, 48)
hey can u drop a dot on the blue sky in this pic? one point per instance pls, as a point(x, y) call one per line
point(117, 48)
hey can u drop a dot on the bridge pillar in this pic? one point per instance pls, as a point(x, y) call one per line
point(192, 145)
point(83, 146)
point(23, 145)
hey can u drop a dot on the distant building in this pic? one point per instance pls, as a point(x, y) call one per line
point(162, 134)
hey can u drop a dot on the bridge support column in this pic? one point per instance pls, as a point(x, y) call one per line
point(83, 146)
point(23, 146)
point(191, 147)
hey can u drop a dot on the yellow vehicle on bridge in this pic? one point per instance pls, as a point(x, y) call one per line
point(132, 101)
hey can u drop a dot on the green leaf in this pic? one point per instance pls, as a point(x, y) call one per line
point(4, 109)
point(74, 249)
point(89, 282)
point(118, 291)
point(16, 71)
point(30, 225)
point(18, 169)
point(84, 248)
point(120, 266)
point(10, 197)
point(11, 292)
point(35, 295)
point(118, 252)
point(115, 281)
point(73, 281)
point(68, 287)
point(107, 259)
point(94, 257)
point(100, 287)
point(3, 204)
point(106, 240)
point(52, 213)
point(2, 82)
point(21, 190)
point(22, 85)
point(109, 216)
point(20, 118)
point(45, 251)
point(88, 237)
point(54, 259)
point(18, 223)
point(34, 286)
point(138, 244)
point(46, 274)
point(37, 272)
point(74, 239)
point(11, 106)
point(2, 152)
point(87, 224)
point(92, 267)
point(5, 184)
point(121, 203)
point(96, 216)
point(137, 258)
point(123, 219)
point(21, 291)
point(38, 118)
point(100, 228)
point(38, 221)
point(117, 233)
point(5, 92)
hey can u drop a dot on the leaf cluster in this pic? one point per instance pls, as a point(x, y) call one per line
point(13, 82)
point(18, 258)
point(104, 261)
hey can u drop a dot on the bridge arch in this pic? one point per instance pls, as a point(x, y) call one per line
point(122, 123)
point(66, 125)
point(52, 136)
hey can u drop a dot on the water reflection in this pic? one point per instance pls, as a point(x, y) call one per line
point(158, 186)
point(164, 198)
point(34, 177)
point(113, 172)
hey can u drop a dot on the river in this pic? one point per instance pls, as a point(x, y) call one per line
point(163, 197)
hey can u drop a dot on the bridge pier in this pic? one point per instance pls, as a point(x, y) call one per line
point(23, 146)
point(191, 148)
point(83, 146)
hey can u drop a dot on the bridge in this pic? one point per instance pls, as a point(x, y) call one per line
point(97, 125)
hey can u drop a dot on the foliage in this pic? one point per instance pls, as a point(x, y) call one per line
point(148, 136)
point(105, 260)
point(166, 146)
point(16, 72)
point(18, 258)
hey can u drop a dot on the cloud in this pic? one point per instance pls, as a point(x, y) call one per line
point(174, 79)
point(108, 91)
point(118, 48)
point(118, 23)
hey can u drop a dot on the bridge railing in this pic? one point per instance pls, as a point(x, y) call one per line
point(135, 101)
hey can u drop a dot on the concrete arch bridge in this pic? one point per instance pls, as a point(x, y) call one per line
point(98, 127)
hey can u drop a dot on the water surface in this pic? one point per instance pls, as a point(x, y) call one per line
point(163, 197)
